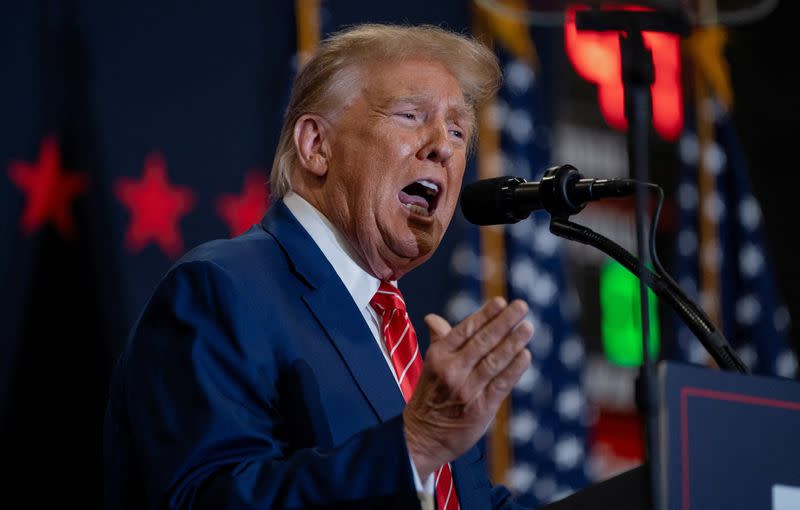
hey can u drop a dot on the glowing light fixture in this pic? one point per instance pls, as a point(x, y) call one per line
point(596, 58)
point(621, 323)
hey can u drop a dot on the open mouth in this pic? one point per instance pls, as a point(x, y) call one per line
point(420, 197)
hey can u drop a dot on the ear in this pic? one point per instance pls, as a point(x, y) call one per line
point(311, 143)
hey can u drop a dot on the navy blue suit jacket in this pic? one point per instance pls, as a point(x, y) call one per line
point(251, 380)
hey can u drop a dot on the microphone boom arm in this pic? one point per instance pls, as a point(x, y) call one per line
point(712, 339)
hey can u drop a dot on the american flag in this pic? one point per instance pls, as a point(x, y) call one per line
point(749, 308)
point(548, 405)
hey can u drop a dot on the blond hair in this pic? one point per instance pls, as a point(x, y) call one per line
point(317, 86)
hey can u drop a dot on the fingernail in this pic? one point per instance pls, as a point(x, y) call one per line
point(498, 303)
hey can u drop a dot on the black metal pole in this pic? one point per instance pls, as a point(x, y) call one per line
point(638, 76)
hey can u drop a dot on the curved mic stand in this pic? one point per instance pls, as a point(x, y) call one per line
point(711, 338)
point(695, 319)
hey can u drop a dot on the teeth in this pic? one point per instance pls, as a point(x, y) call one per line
point(417, 209)
point(429, 185)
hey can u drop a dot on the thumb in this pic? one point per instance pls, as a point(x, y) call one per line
point(437, 326)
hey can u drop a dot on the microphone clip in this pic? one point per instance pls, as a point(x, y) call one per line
point(519, 197)
point(555, 189)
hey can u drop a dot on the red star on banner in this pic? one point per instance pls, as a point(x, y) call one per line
point(155, 207)
point(49, 190)
point(240, 211)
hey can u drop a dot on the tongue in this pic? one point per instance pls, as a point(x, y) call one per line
point(413, 200)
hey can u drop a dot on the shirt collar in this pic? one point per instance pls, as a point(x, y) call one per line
point(360, 284)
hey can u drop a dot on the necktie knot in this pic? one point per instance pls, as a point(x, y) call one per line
point(399, 337)
point(387, 299)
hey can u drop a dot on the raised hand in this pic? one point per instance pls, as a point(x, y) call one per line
point(468, 371)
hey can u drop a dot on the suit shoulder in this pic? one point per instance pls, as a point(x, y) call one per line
point(253, 251)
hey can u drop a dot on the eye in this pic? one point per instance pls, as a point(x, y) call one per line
point(457, 133)
point(408, 115)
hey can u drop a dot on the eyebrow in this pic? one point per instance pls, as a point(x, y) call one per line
point(461, 111)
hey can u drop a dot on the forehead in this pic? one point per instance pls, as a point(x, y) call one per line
point(413, 80)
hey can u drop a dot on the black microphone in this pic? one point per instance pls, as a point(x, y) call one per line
point(562, 192)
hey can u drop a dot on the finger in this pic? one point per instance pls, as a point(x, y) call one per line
point(499, 387)
point(466, 328)
point(499, 358)
point(490, 335)
point(503, 354)
point(437, 326)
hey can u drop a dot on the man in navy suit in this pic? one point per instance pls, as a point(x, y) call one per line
point(257, 375)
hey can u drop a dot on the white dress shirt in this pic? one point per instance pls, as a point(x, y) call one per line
point(360, 284)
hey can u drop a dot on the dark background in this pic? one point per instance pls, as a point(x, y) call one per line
point(50, 443)
point(766, 105)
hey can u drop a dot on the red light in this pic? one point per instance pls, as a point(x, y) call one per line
point(596, 58)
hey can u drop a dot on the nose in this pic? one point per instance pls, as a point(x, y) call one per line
point(437, 147)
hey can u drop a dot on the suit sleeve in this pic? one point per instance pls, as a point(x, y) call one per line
point(204, 418)
point(501, 499)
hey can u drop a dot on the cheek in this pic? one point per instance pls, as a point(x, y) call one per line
point(449, 207)
point(454, 184)
point(458, 175)
point(405, 149)
point(395, 142)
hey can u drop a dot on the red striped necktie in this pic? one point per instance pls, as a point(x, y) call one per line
point(401, 342)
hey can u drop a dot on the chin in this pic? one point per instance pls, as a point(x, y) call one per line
point(410, 244)
point(425, 246)
point(426, 237)
point(406, 255)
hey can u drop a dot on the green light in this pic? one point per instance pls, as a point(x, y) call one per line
point(621, 317)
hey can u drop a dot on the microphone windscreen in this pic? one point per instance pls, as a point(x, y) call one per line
point(482, 202)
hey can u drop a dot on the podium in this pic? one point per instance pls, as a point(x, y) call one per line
point(726, 441)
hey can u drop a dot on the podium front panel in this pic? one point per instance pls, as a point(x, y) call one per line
point(728, 440)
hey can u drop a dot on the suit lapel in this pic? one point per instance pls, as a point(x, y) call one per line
point(332, 305)
point(356, 344)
